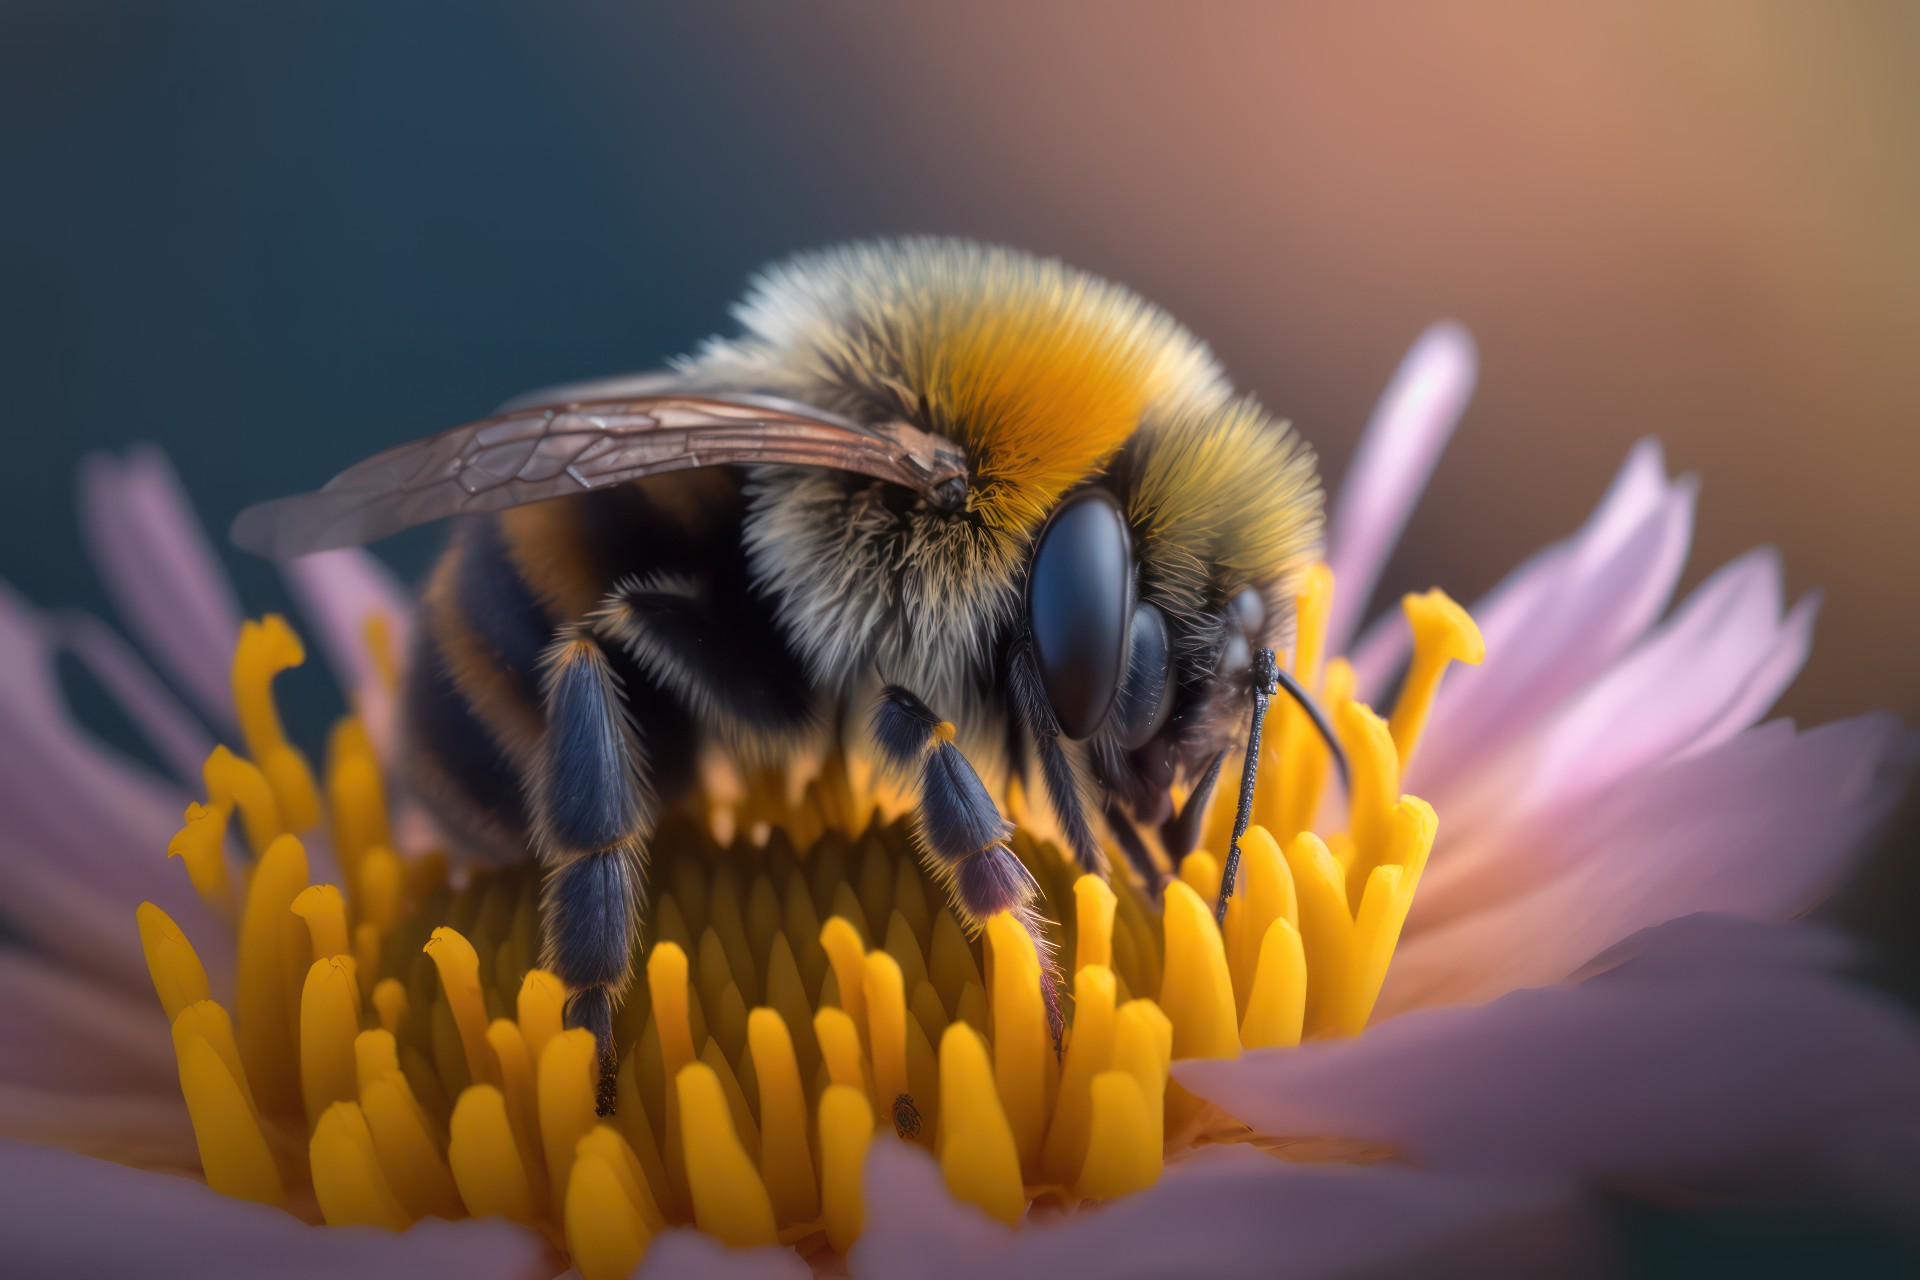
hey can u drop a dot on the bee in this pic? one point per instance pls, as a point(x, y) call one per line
point(1011, 516)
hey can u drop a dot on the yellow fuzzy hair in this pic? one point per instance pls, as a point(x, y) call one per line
point(1041, 372)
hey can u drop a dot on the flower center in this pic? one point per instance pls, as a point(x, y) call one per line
point(393, 1047)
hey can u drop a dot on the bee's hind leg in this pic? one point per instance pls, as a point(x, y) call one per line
point(961, 827)
point(593, 813)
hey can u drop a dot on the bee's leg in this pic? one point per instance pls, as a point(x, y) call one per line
point(1056, 769)
point(961, 827)
point(593, 813)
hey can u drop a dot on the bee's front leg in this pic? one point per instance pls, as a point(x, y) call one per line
point(593, 813)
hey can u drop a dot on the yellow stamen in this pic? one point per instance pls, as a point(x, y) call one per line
point(485, 1158)
point(356, 796)
point(202, 845)
point(179, 979)
point(267, 648)
point(211, 1023)
point(569, 1075)
point(1277, 1003)
point(1123, 1154)
point(786, 1165)
point(347, 1180)
point(540, 1002)
point(977, 1150)
point(329, 1022)
point(273, 950)
point(459, 967)
point(1023, 1047)
point(730, 1202)
point(391, 1002)
point(886, 1028)
point(375, 1052)
point(517, 1077)
point(846, 1129)
point(1093, 917)
point(1326, 932)
point(605, 1231)
point(233, 783)
point(408, 1152)
point(321, 906)
point(233, 1151)
point(1089, 1051)
point(1443, 633)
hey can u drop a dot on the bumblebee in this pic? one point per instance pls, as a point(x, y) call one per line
point(1008, 519)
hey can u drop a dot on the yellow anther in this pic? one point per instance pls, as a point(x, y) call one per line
point(604, 1142)
point(569, 1075)
point(179, 979)
point(347, 1180)
point(329, 1022)
point(390, 1002)
point(1278, 998)
point(1022, 1043)
point(886, 1003)
point(202, 845)
point(846, 1128)
point(542, 999)
point(1195, 988)
point(234, 783)
point(356, 795)
point(234, 1154)
point(730, 1202)
point(208, 1021)
point(325, 912)
point(1089, 1051)
point(485, 1157)
point(605, 1232)
point(375, 1052)
point(382, 887)
point(786, 1163)
point(1200, 871)
point(273, 957)
point(977, 1151)
point(1443, 632)
point(1266, 895)
point(459, 968)
point(1384, 903)
point(1326, 932)
point(1375, 770)
point(1143, 1046)
point(408, 1152)
point(667, 984)
point(847, 954)
point(1123, 1153)
point(517, 1075)
point(267, 648)
point(1093, 904)
point(840, 1049)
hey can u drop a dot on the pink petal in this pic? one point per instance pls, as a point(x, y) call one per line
point(1675, 686)
point(1561, 620)
point(1760, 827)
point(145, 1130)
point(686, 1252)
point(338, 591)
point(69, 1215)
point(1724, 1049)
point(64, 1033)
point(1228, 1213)
point(172, 730)
point(153, 554)
point(88, 829)
point(1403, 440)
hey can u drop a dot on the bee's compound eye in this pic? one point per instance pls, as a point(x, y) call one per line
point(1145, 695)
point(1077, 607)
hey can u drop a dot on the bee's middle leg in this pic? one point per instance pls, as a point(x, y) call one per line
point(593, 813)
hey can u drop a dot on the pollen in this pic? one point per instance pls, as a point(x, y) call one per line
point(391, 1052)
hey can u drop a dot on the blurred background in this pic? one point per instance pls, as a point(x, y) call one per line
point(276, 238)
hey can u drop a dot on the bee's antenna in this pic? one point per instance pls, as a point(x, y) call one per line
point(1268, 679)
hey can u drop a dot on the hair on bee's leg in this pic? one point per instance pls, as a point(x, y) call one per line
point(961, 831)
point(1030, 703)
point(593, 813)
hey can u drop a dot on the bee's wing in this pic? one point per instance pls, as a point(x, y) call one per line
point(546, 451)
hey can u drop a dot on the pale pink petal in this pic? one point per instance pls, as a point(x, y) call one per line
point(1760, 827)
point(1230, 1213)
point(1767, 679)
point(68, 1215)
point(1561, 622)
point(1719, 1053)
point(180, 739)
point(144, 1130)
point(1403, 440)
point(1675, 686)
point(68, 1034)
point(154, 555)
point(687, 1253)
point(87, 829)
point(338, 592)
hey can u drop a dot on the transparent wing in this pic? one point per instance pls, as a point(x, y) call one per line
point(547, 451)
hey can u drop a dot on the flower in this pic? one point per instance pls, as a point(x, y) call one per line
point(1589, 988)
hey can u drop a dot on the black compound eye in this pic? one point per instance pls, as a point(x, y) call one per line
point(1077, 601)
point(1146, 695)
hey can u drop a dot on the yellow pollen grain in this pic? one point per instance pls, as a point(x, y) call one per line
point(569, 1074)
point(266, 648)
point(846, 1129)
point(1089, 1050)
point(978, 1156)
point(233, 783)
point(347, 1180)
point(459, 967)
point(202, 844)
point(1277, 1002)
point(329, 1023)
point(730, 1201)
point(485, 1157)
point(179, 979)
point(1093, 904)
point(786, 1163)
point(273, 951)
point(325, 912)
point(1443, 633)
